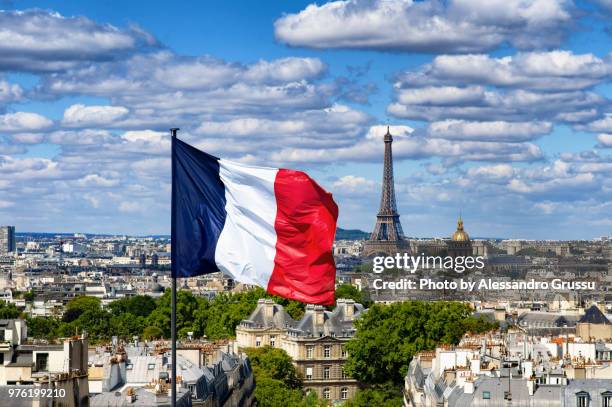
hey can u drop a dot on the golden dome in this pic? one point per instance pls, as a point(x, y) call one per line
point(460, 235)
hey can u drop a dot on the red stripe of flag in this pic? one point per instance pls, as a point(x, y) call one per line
point(305, 225)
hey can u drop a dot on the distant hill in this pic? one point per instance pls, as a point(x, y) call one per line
point(351, 234)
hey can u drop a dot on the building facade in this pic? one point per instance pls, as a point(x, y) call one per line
point(7, 239)
point(316, 343)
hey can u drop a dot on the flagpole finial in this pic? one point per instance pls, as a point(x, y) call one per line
point(173, 131)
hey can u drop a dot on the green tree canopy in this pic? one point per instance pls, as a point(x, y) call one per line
point(80, 305)
point(387, 395)
point(139, 305)
point(388, 336)
point(274, 363)
point(351, 292)
point(8, 310)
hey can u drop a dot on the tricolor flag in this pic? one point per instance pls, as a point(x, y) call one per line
point(265, 226)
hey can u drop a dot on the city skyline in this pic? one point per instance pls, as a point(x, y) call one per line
point(501, 111)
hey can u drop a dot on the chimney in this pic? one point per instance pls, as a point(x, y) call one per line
point(319, 315)
point(349, 309)
point(475, 365)
point(268, 309)
point(468, 387)
point(531, 386)
point(527, 369)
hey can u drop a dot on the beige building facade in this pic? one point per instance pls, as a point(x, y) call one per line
point(316, 343)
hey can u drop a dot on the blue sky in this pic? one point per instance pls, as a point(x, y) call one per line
point(500, 108)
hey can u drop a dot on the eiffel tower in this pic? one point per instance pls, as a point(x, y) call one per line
point(387, 237)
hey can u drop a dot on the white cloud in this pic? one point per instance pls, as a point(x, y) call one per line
point(354, 184)
point(411, 145)
point(130, 207)
point(29, 169)
point(90, 116)
point(96, 180)
point(285, 70)
point(80, 137)
point(605, 140)
point(495, 172)
point(426, 26)
point(28, 138)
point(23, 122)
point(585, 180)
point(552, 70)
point(10, 92)
point(488, 130)
point(38, 40)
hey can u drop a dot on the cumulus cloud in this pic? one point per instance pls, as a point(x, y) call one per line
point(38, 40)
point(605, 140)
point(413, 145)
point(426, 26)
point(533, 89)
point(354, 184)
point(492, 172)
point(23, 122)
point(96, 180)
point(10, 92)
point(488, 130)
point(553, 70)
point(90, 116)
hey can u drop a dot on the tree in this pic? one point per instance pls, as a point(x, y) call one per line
point(387, 337)
point(8, 310)
point(386, 395)
point(42, 327)
point(273, 393)
point(80, 305)
point(152, 332)
point(126, 325)
point(139, 305)
point(187, 305)
point(277, 382)
point(274, 363)
point(351, 292)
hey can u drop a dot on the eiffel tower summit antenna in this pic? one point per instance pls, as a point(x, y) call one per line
point(388, 236)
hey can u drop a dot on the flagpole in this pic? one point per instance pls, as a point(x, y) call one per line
point(173, 254)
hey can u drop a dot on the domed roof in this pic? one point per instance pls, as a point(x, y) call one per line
point(460, 235)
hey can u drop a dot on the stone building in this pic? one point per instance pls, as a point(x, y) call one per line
point(460, 244)
point(315, 342)
point(594, 326)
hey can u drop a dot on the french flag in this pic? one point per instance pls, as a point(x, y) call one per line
point(265, 226)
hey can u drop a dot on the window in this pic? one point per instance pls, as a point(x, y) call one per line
point(326, 370)
point(309, 352)
point(258, 341)
point(344, 352)
point(606, 399)
point(344, 393)
point(309, 373)
point(346, 376)
point(326, 393)
point(151, 366)
point(42, 362)
point(129, 365)
point(1, 358)
point(272, 340)
point(486, 395)
point(327, 351)
point(583, 399)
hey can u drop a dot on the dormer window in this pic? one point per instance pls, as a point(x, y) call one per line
point(583, 399)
